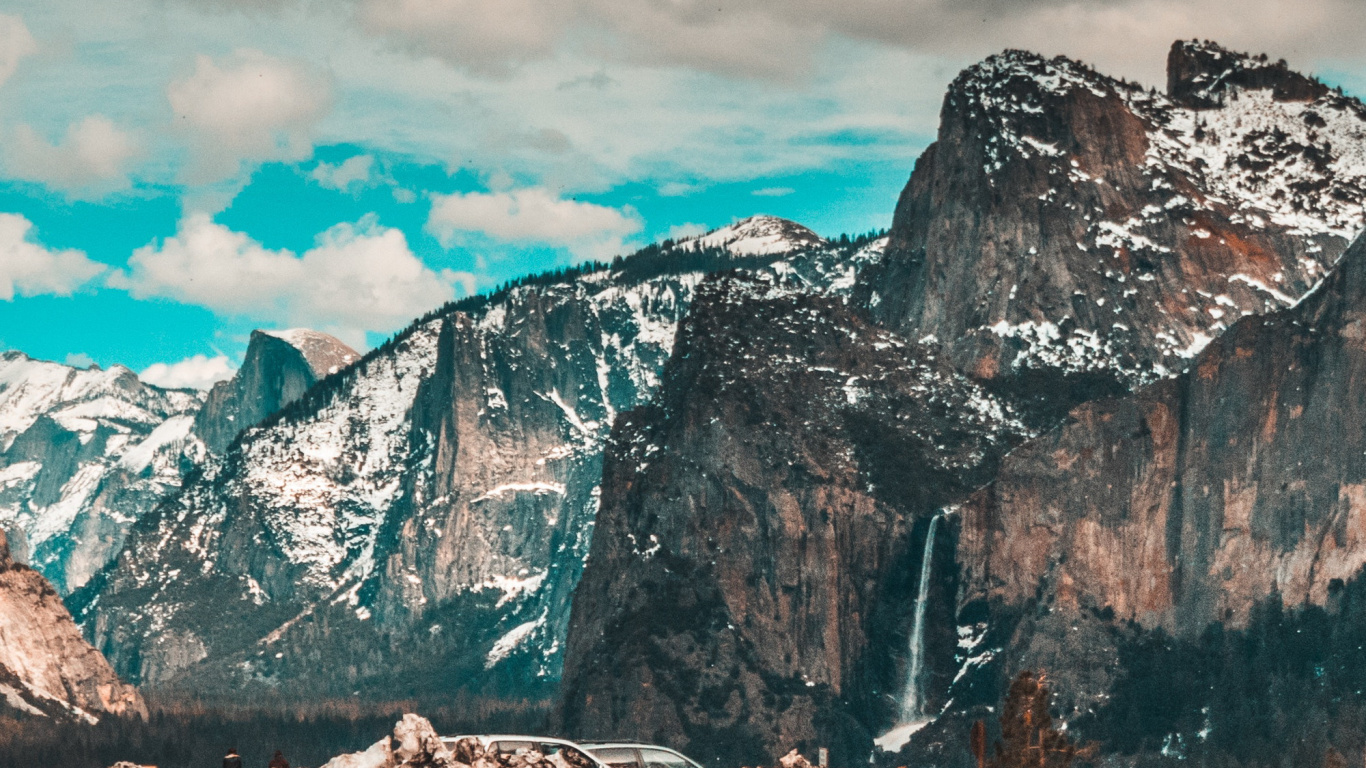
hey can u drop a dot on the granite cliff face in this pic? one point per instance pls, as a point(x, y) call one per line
point(1201, 498)
point(83, 453)
point(278, 368)
point(755, 523)
point(1068, 237)
point(418, 523)
point(46, 668)
point(1068, 223)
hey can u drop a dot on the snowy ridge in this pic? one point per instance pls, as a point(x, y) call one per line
point(1275, 153)
point(83, 453)
point(361, 501)
point(757, 236)
point(325, 353)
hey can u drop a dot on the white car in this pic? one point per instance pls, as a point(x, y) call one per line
point(556, 751)
point(603, 754)
point(629, 754)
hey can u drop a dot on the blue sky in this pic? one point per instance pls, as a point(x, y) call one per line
point(175, 173)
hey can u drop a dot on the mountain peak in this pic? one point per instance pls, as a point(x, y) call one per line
point(758, 236)
point(279, 366)
point(1201, 72)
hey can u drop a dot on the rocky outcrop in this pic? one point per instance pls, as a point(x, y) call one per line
point(46, 667)
point(1082, 235)
point(83, 454)
point(417, 524)
point(278, 368)
point(757, 521)
point(1195, 501)
point(1069, 237)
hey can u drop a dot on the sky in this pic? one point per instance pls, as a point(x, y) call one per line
point(176, 173)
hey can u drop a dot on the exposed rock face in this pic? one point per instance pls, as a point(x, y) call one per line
point(1202, 75)
point(46, 667)
point(757, 517)
point(1196, 500)
point(1068, 237)
point(278, 368)
point(83, 453)
point(418, 523)
point(1067, 222)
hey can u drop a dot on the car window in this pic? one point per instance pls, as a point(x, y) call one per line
point(565, 756)
point(513, 747)
point(658, 758)
point(617, 757)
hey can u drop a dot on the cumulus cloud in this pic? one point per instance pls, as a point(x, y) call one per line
point(30, 269)
point(354, 171)
point(79, 360)
point(357, 277)
point(15, 43)
point(250, 106)
point(686, 230)
point(533, 215)
point(93, 154)
point(195, 372)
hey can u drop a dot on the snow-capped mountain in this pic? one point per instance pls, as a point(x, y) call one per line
point(1069, 222)
point(755, 571)
point(425, 513)
point(83, 454)
point(278, 368)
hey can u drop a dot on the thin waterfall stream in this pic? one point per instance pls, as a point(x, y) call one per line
point(912, 710)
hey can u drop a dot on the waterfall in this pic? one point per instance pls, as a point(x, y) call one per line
point(913, 696)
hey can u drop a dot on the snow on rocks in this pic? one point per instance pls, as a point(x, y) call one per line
point(757, 236)
point(85, 451)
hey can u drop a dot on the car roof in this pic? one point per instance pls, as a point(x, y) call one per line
point(484, 737)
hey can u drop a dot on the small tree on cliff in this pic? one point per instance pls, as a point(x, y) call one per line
point(1028, 739)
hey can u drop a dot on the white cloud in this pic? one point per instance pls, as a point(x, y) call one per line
point(93, 153)
point(690, 229)
point(533, 215)
point(342, 176)
point(15, 43)
point(250, 107)
point(196, 372)
point(357, 277)
point(773, 192)
point(79, 360)
point(29, 269)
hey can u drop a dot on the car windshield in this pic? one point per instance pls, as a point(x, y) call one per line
point(512, 747)
point(659, 758)
point(616, 757)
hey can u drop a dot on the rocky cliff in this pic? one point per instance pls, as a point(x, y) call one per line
point(1068, 237)
point(755, 526)
point(83, 453)
point(279, 366)
point(418, 523)
point(1204, 501)
point(46, 668)
point(1065, 222)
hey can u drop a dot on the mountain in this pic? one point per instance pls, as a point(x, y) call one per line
point(753, 521)
point(279, 366)
point(1083, 231)
point(1214, 522)
point(46, 668)
point(418, 522)
point(83, 453)
point(1068, 237)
